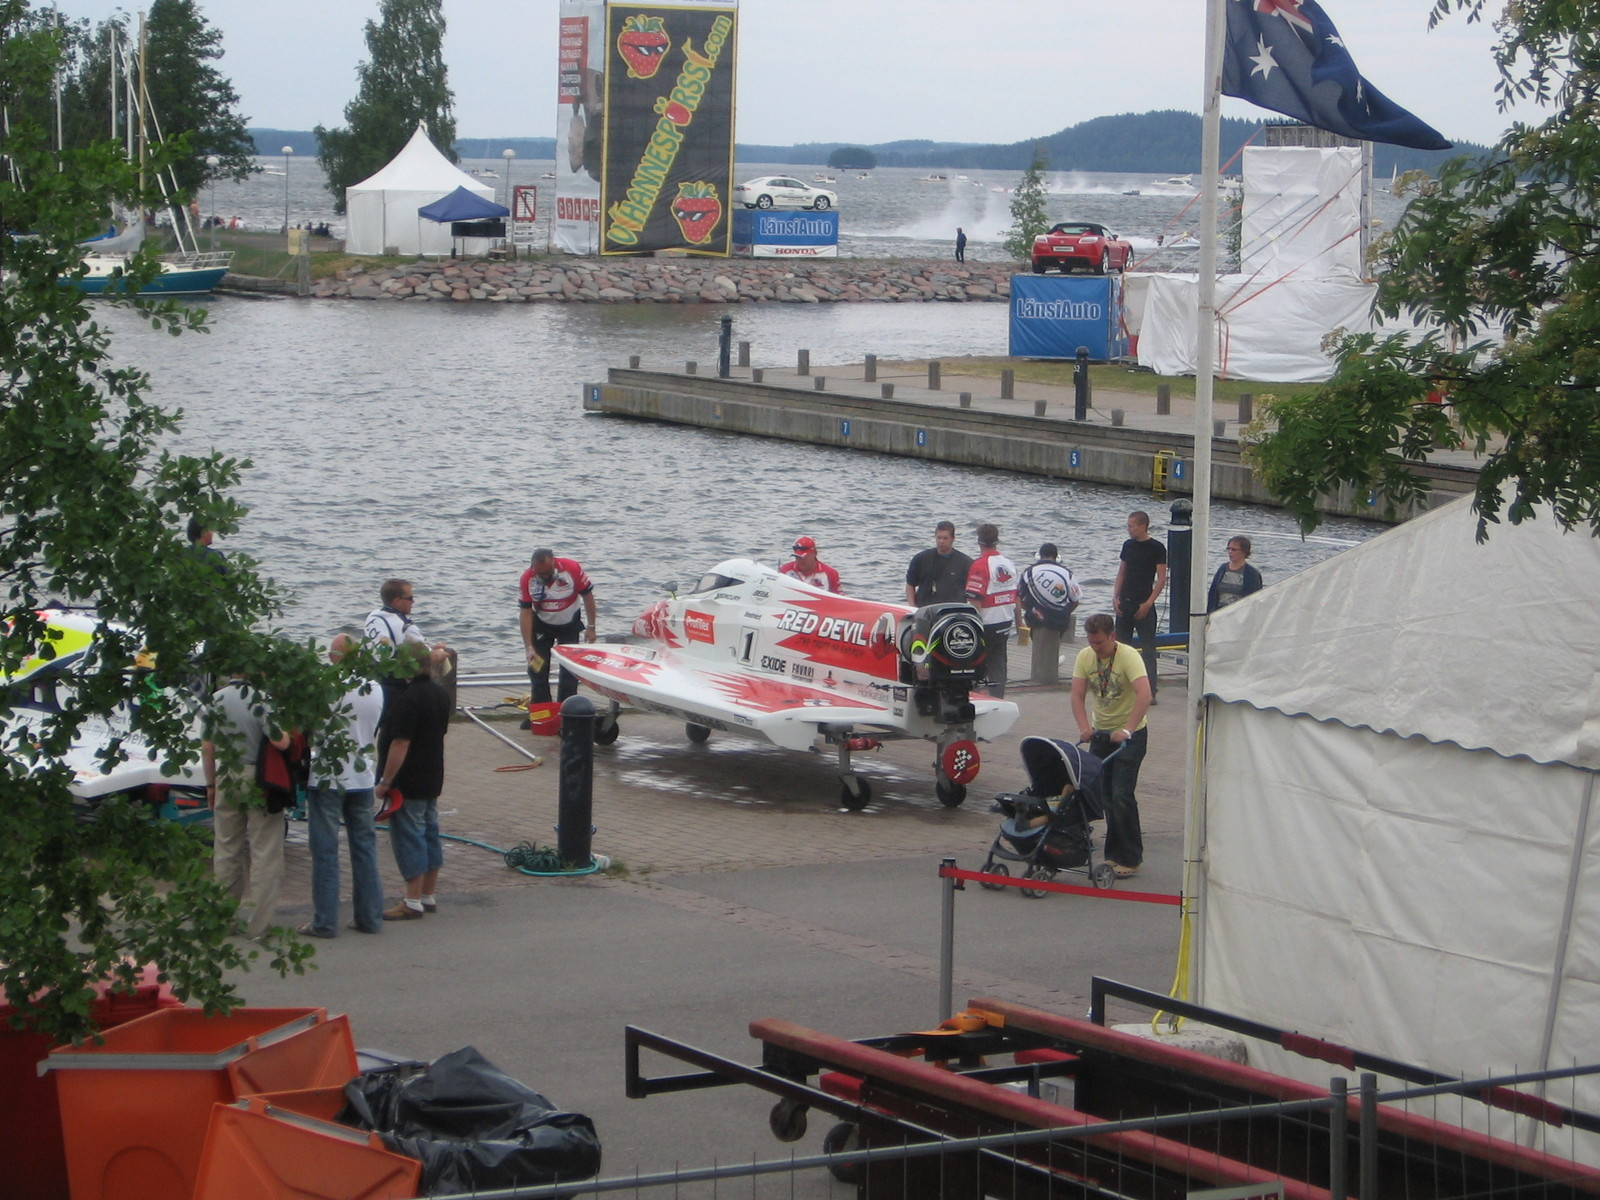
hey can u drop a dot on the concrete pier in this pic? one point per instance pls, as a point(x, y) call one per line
point(1132, 438)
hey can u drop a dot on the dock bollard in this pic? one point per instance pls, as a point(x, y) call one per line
point(869, 371)
point(1163, 399)
point(1039, 407)
point(1219, 428)
point(1247, 407)
point(724, 346)
point(803, 363)
point(691, 368)
point(1081, 401)
point(966, 400)
point(888, 390)
point(575, 795)
point(933, 377)
point(757, 374)
point(1008, 384)
point(819, 382)
point(1117, 416)
point(744, 354)
point(633, 362)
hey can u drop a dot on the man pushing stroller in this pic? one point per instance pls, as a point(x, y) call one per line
point(1109, 677)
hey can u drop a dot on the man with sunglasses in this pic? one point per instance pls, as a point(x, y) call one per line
point(548, 596)
point(807, 567)
point(1112, 675)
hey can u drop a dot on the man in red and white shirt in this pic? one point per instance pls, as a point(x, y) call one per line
point(807, 567)
point(547, 600)
point(992, 589)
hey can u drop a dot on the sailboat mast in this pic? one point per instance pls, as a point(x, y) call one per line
point(144, 103)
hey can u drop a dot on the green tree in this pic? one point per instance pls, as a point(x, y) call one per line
point(1508, 240)
point(92, 510)
point(852, 158)
point(404, 81)
point(190, 97)
point(1028, 216)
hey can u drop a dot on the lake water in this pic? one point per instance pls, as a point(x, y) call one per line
point(896, 212)
point(443, 443)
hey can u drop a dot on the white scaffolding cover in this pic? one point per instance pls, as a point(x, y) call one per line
point(1301, 213)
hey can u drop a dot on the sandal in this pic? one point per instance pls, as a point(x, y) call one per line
point(1122, 872)
point(310, 930)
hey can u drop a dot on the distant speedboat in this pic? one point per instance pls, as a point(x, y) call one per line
point(1178, 181)
point(934, 178)
point(181, 274)
point(1131, 192)
point(819, 177)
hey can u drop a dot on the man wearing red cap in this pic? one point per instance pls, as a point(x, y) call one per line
point(808, 568)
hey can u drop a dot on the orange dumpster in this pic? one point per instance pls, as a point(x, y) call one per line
point(255, 1150)
point(134, 1108)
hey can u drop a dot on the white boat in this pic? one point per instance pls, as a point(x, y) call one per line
point(934, 178)
point(819, 177)
point(1177, 181)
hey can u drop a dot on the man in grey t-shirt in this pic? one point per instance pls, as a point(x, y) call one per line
point(247, 840)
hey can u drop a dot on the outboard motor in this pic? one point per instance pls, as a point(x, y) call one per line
point(942, 649)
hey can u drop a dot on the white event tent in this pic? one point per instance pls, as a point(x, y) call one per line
point(1401, 841)
point(382, 209)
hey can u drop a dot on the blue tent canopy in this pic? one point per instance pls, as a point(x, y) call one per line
point(463, 205)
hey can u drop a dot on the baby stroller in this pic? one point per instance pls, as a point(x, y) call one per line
point(1046, 825)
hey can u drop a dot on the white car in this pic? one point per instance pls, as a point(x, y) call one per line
point(783, 191)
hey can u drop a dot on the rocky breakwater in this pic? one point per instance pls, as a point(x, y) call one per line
point(673, 281)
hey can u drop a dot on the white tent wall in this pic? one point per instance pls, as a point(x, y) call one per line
point(382, 209)
point(1265, 330)
point(1301, 212)
point(1401, 845)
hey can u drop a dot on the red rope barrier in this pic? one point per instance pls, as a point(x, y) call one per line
point(1045, 885)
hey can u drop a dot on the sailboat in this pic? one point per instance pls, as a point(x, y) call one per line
point(188, 272)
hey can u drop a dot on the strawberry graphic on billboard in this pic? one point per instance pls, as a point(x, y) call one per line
point(697, 211)
point(643, 44)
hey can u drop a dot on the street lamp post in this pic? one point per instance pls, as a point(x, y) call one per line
point(508, 154)
point(287, 150)
point(212, 162)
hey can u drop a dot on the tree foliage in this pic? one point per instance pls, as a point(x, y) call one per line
point(92, 511)
point(1509, 241)
point(189, 98)
point(852, 158)
point(1028, 215)
point(403, 81)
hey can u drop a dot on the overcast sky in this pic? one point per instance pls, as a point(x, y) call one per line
point(864, 71)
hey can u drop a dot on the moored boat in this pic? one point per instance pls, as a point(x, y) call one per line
point(180, 274)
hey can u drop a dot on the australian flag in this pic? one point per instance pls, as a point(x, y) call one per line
point(1287, 56)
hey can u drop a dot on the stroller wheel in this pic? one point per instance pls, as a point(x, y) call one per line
point(1103, 876)
point(993, 868)
point(1041, 873)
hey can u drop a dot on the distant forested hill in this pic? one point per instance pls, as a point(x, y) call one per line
point(1153, 143)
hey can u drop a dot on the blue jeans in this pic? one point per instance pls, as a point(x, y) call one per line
point(414, 836)
point(325, 807)
point(1124, 838)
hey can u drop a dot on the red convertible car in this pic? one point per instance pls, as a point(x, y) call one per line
point(1080, 244)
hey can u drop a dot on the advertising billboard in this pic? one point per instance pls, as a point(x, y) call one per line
point(667, 154)
point(762, 233)
point(1052, 315)
point(580, 126)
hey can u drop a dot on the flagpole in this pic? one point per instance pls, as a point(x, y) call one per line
point(1205, 365)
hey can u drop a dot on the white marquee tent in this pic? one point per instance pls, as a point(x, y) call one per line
point(1401, 842)
point(382, 209)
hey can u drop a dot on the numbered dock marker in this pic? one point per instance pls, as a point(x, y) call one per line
point(844, 428)
point(594, 393)
point(1372, 499)
point(1179, 469)
point(1075, 458)
point(922, 437)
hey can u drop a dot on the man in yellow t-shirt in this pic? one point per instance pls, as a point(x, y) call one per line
point(1113, 673)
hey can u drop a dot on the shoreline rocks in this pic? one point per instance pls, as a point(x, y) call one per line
point(674, 281)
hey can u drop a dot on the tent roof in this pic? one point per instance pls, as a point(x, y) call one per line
point(420, 167)
point(1425, 633)
point(463, 205)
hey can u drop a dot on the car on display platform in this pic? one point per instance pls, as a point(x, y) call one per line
point(1071, 245)
point(783, 191)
